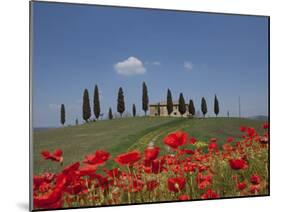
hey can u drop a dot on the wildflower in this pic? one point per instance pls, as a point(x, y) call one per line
point(176, 139)
point(254, 189)
point(151, 153)
point(192, 140)
point(241, 186)
point(56, 156)
point(183, 197)
point(176, 184)
point(265, 125)
point(151, 185)
point(229, 139)
point(213, 140)
point(128, 158)
point(99, 157)
point(212, 146)
point(255, 179)
point(210, 194)
point(243, 128)
point(237, 164)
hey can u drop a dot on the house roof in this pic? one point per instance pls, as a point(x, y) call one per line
point(164, 103)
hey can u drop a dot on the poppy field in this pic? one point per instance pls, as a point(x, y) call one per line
point(186, 169)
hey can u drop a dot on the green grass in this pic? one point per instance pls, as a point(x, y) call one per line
point(120, 135)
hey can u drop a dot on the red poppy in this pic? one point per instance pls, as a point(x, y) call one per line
point(113, 173)
point(176, 139)
point(71, 168)
point(213, 140)
point(210, 194)
point(241, 186)
point(136, 185)
point(56, 156)
point(229, 139)
point(103, 181)
point(254, 189)
point(212, 146)
point(251, 132)
point(265, 125)
point(243, 128)
point(190, 167)
point(237, 164)
point(183, 197)
point(204, 180)
point(88, 170)
point(192, 140)
point(52, 199)
point(255, 179)
point(176, 184)
point(99, 157)
point(188, 151)
point(263, 139)
point(151, 153)
point(157, 165)
point(128, 158)
point(151, 185)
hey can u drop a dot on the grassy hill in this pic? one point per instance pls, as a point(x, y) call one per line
point(120, 135)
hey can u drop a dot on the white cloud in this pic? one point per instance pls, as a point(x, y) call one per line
point(188, 65)
point(130, 66)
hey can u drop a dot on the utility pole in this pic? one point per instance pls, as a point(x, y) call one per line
point(239, 107)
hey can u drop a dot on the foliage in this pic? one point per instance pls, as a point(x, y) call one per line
point(144, 98)
point(62, 114)
point(96, 102)
point(191, 108)
point(120, 102)
point(204, 106)
point(110, 115)
point(182, 106)
point(86, 106)
point(134, 110)
point(169, 102)
point(216, 106)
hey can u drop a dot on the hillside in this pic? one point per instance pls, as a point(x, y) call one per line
point(119, 135)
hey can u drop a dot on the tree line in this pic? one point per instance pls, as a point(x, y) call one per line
point(86, 107)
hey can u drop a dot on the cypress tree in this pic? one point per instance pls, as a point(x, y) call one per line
point(144, 98)
point(204, 106)
point(120, 102)
point(86, 106)
point(191, 108)
point(110, 115)
point(96, 102)
point(62, 114)
point(158, 109)
point(182, 107)
point(169, 102)
point(134, 110)
point(216, 106)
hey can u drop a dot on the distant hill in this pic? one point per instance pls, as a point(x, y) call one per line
point(260, 117)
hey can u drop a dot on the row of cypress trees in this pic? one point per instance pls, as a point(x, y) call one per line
point(86, 108)
point(191, 108)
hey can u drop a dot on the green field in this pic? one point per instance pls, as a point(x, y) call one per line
point(120, 135)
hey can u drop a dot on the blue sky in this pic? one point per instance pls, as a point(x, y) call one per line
point(199, 54)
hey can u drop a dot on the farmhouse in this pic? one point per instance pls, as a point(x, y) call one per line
point(160, 109)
